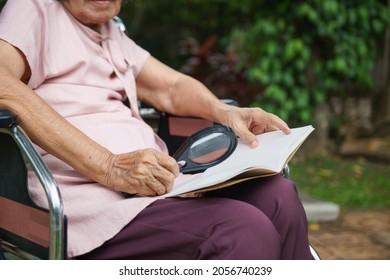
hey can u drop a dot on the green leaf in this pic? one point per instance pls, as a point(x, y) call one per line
point(275, 92)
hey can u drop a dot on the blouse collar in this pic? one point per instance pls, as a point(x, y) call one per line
point(89, 32)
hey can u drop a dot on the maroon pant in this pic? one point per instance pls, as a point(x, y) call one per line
point(258, 219)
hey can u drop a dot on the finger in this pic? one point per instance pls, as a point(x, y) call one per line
point(145, 190)
point(141, 187)
point(155, 185)
point(278, 123)
point(166, 178)
point(141, 178)
point(258, 129)
point(169, 163)
point(246, 135)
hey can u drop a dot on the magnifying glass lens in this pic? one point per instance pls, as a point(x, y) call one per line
point(209, 148)
point(205, 149)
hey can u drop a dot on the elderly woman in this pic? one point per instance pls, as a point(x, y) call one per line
point(65, 70)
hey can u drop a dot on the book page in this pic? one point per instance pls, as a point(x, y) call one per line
point(274, 151)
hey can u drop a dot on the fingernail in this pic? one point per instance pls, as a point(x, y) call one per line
point(254, 144)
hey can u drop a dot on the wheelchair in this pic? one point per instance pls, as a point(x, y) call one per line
point(30, 232)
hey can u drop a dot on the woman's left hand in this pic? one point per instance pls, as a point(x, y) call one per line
point(249, 122)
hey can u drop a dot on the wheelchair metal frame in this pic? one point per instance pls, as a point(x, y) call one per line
point(56, 248)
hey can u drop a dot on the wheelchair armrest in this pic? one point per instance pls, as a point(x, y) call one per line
point(8, 126)
point(7, 119)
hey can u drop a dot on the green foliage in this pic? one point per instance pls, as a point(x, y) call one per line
point(302, 52)
point(165, 23)
point(353, 183)
point(294, 54)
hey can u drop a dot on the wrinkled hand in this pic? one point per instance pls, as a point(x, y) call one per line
point(248, 122)
point(146, 172)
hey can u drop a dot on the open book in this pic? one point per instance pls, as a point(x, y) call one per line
point(273, 153)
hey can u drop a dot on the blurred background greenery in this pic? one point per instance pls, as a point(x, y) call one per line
point(287, 56)
point(320, 62)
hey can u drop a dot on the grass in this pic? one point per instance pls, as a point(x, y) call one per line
point(350, 183)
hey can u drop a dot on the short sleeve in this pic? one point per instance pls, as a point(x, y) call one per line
point(137, 55)
point(22, 24)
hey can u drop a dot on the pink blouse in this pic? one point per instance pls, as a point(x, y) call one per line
point(84, 76)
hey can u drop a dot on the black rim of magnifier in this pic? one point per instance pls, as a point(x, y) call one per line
point(182, 153)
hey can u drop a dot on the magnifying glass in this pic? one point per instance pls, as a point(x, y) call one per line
point(205, 149)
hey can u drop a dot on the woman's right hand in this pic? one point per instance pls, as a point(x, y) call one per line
point(146, 172)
